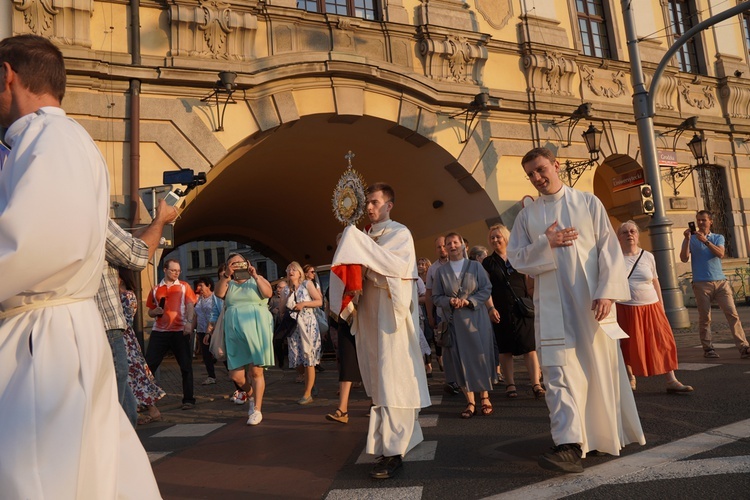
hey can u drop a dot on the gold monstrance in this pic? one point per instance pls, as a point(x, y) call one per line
point(349, 195)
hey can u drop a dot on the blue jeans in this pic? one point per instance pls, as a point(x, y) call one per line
point(120, 357)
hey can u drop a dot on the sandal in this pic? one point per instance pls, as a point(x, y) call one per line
point(338, 416)
point(487, 409)
point(538, 391)
point(468, 413)
point(511, 393)
point(148, 419)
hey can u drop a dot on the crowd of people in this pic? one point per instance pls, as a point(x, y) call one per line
point(545, 292)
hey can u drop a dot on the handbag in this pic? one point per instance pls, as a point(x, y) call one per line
point(288, 324)
point(444, 334)
point(216, 346)
point(524, 305)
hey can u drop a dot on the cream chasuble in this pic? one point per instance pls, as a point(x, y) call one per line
point(63, 434)
point(386, 332)
point(589, 396)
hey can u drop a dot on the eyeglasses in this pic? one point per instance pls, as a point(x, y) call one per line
point(173, 270)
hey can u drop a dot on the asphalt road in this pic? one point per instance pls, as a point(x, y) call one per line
point(698, 445)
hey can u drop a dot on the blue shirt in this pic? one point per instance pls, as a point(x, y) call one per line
point(706, 265)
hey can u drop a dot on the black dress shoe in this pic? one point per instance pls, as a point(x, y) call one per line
point(386, 467)
point(564, 458)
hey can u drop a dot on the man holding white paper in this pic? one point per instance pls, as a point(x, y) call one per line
point(564, 240)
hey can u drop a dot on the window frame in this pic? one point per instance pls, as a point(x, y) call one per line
point(609, 49)
point(351, 9)
point(694, 46)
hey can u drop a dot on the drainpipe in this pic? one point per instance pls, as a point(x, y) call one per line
point(135, 149)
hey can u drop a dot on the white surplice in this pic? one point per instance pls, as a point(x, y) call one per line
point(63, 433)
point(386, 329)
point(588, 393)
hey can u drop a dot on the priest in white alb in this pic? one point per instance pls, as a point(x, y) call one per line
point(564, 240)
point(385, 327)
point(63, 434)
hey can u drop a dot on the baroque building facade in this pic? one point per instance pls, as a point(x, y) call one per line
point(440, 98)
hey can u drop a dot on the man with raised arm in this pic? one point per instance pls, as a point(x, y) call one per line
point(386, 329)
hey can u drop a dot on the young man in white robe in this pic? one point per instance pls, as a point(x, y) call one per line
point(63, 434)
point(386, 329)
point(564, 240)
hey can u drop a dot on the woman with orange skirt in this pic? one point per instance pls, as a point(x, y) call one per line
point(650, 350)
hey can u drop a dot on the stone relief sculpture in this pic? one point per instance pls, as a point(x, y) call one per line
point(67, 22)
point(212, 30)
point(610, 85)
point(37, 14)
point(216, 16)
point(497, 13)
point(453, 58)
point(701, 98)
point(550, 72)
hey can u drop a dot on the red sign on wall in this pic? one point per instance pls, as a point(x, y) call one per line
point(628, 180)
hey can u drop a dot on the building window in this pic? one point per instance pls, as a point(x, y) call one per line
point(262, 268)
point(682, 17)
point(593, 25)
point(195, 259)
point(220, 258)
point(746, 28)
point(208, 257)
point(366, 9)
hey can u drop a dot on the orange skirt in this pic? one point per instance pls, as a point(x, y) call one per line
point(650, 350)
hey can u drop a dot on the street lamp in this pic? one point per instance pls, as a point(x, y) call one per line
point(697, 146)
point(574, 169)
point(224, 85)
point(678, 175)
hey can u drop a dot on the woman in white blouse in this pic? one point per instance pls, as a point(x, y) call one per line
point(650, 350)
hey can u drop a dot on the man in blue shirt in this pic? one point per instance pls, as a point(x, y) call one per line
point(709, 282)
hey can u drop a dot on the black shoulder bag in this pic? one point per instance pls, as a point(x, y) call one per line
point(524, 305)
point(288, 323)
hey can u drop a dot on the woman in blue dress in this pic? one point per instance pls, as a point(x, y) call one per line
point(248, 329)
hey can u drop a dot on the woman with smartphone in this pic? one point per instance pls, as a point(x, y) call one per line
point(248, 329)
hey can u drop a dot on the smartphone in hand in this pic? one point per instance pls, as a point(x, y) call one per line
point(691, 226)
point(162, 301)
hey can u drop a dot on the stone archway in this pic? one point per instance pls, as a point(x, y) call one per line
point(621, 205)
point(274, 192)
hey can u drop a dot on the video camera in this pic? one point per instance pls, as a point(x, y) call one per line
point(186, 177)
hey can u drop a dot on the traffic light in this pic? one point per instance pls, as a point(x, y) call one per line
point(647, 200)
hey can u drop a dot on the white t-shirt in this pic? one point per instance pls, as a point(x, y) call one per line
point(642, 291)
point(457, 265)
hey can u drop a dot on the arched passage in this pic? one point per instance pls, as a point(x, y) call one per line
point(621, 205)
point(274, 191)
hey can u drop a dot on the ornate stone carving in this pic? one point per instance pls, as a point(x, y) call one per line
point(216, 16)
point(497, 13)
point(38, 14)
point(212, 30)
point(453, 58)
point(735, 99)
point(697, 96)
point(550, 72)
point(66, 22)
point(663, 96)
point(611, 84)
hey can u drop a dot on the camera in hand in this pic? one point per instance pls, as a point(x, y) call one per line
point(240, 271)
point(691, 226)
point(162, 301)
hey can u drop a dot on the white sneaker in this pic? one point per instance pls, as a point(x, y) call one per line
point(209, 381)
point(250, 405)
point(241, 398)
point(255, 418)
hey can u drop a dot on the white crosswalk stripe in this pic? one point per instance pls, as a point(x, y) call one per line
point(188, 430)
point(657, 463)
point(153, 456)
point(409, 493)
point(694, 367)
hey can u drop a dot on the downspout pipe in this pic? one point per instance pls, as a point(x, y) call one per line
point(135, 149)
